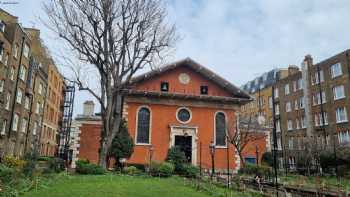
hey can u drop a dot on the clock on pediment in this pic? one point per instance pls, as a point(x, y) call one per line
point(184, 78)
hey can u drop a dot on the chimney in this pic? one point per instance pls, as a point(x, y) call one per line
point(89, 108)
point(292, 69)
point(308, 61)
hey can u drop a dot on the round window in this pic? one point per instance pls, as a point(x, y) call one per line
point(183, 115)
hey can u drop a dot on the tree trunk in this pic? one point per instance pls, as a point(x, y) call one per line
point(112, 128)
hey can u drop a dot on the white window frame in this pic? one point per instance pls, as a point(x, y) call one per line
point(286, 89)
point(15, 51)
point(288, 106)
point(26, 50)
point(8, 99)
point(341, 118)
point(22, 72)
point(289, 125)
point(334, 72)
point(2, 84)
point(15, 122)
point(19, 96)
point(24, 125)
point(3, 128)
point(338, 95)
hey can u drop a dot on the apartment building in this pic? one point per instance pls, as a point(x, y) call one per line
point(314, 105)
point(53, 112)
point(24, 66)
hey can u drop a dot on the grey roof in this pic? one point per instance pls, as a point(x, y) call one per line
point(265, 80)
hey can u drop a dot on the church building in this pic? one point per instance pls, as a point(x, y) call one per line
point(181, 104)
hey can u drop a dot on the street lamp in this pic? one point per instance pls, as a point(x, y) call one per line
point(212, 153)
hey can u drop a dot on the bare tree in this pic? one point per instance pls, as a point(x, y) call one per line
point(243, 132)
point(117, 38)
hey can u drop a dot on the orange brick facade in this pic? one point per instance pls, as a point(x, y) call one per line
point(164, 124)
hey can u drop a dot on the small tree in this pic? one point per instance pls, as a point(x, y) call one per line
point(244, 132)
point(122, 145)
point(177, 157)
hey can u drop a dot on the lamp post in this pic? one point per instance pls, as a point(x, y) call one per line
point(151, 149)
point(212, 153)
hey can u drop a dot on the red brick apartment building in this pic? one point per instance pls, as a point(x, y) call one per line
point(182, 104)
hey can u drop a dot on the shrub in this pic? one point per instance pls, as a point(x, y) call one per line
point(190, 171)
point(122, 144)
point(140, 167)
point(131, 170)
point(13, 162)
point(177, 157)
point(253, 169)
point(6, 173)
point(166, 169)
point(57, 164)
point(84, 167)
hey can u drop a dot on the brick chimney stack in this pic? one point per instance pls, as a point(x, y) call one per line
point(308, 61)
point(89, 108)
point(292, 69)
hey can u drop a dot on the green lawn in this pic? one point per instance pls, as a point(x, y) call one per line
point(124, 186)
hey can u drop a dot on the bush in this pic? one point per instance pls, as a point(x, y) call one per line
point(84, 167)
point(6, 173)
point(131, 170)
point(56, 165)
point(13, 162)
point(177, 157)
point(140, 167)
point(190, 171)
point(253, 169)
point(166, 169)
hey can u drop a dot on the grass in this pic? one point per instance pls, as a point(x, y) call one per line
point(126, 186)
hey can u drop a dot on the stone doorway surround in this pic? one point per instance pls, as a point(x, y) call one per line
point(184, 130)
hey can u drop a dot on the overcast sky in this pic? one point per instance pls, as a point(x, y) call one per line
point(238, 39)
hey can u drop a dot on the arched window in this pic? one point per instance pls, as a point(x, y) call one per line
point(143, 124)
point(220, 129)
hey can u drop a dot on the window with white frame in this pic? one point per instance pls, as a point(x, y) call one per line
point(40, 89)
point(2, 26)
point(15, 50)
point(344, 137)
point(12, 73)
point(143, 126)
point(37, 108)
point(270, 102)
point(15, 122)
point(277, 109)
point(24, 125)
point(303, 122)
point(290, 125)
point(276, 92)
point(2, 82)
point(278, 126)
point(317, 78)
point(26, 103)
point(22, 73)
point(301, 103)
point(338, 92)
point(8, 99)
point(3, 128)
point(26, 50)
point(341, 115)
point(35, 128)
point(297, 122)
point(6, 59)
point(2, 55)
point(318, 119)
point(288, 107)
point(290, 143)
point(19, 96)
point(296, 106)
point(286, 89)
point(317, 98)
point(336, 70)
